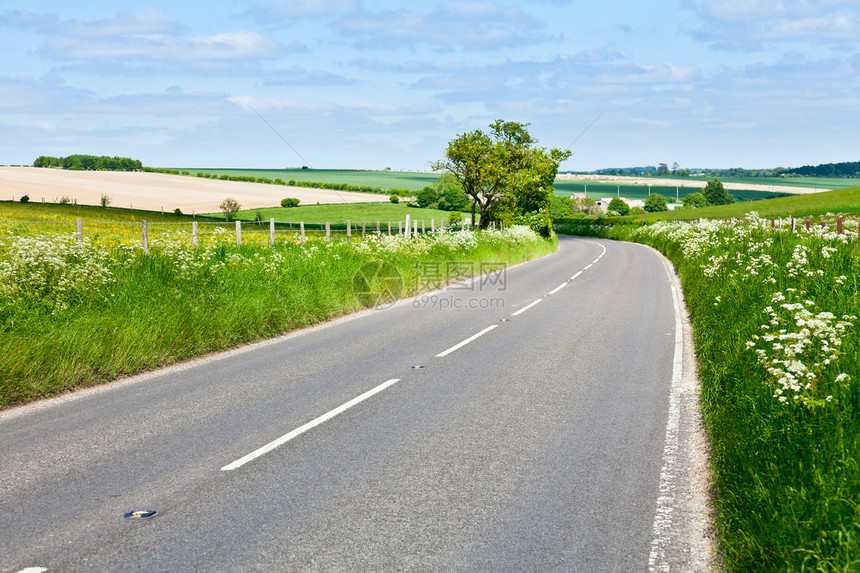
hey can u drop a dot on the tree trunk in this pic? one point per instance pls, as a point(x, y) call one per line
point(473, 212)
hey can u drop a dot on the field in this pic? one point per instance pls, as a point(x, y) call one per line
point(839, 201)
point(356, 213)
point(411, 180)
point(157, 191)
point(597, 190)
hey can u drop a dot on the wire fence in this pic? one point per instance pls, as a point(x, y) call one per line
point(201, 233)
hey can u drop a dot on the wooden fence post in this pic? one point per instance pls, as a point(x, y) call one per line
point(793, 224)
point(238, 233)
point(363, 229)
point(79, 227)
point(195, 238)
point(272, 232)
point(302, 227)
point(432, 225)
point(389, 227)
point(807, 224)
point(408, 226)
point(348, 230)
point(327, 231)
point(839, 224)
point(145, 230)
point(399, 227)
point(415, 226)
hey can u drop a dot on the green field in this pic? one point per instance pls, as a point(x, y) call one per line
point(813, 204)
point(339, 213)
point(815, 182)
point(384, 179)
point(630, 191)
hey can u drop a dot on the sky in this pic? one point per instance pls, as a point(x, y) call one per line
point(353, 84)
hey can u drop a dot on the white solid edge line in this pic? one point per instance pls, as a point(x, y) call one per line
point(465, 342)
point(33, 570)
point(302, 429)
point(662, 527)
point(525, 308)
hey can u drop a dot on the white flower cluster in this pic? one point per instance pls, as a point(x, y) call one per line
point(799, 348)
point(53, 270)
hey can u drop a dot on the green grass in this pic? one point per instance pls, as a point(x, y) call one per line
point(786, 474)
point(839, 201)
point(76, 315)
point(16, 211)
point(629, 191)
point(339, 213)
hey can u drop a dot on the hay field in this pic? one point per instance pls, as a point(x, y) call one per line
point(156, 191)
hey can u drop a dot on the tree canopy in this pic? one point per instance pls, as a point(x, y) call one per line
point(503, 172)
point(716, 194)
point(89, 162)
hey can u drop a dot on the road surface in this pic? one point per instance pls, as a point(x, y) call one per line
point(527, 421)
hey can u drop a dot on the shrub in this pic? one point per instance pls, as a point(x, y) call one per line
point(619, 206)
point(177, 211)
point(655, 203)
point(455, 218)
point(695, 200)
point(230, 207)
point(105, 200)
point(24, 198)
point(64, 200)
point(394, 199)
point(289, 202)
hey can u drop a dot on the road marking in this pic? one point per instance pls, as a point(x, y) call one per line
point(465, 342)
point(302, 429)
point(525, 308)
point(33, 570)
point(576, 275)
point(558, 288)
point(662, 528)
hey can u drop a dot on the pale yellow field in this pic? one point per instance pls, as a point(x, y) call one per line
point(155, 191)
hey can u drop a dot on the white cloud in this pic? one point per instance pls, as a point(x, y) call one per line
point(742, 25)
point(288, 10)
point(463, 24)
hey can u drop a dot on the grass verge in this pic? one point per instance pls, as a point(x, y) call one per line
point(774, 317)
point(77, 314)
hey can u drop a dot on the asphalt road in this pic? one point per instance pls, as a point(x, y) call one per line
point(537, 446)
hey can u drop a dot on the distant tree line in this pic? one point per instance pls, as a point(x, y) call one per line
point(89, 163)
point(846, 169)
point(835, 170)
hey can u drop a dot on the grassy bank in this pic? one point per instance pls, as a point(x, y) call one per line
point(774, 317)
point(75, 314)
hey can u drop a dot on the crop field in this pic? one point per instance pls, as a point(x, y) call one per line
point(414, 181)
point(814, 182)
point(597, 190)
point(775, 322)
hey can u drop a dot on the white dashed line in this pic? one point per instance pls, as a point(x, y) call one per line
point(302, 429)
point(465, 342)
point(525, 308)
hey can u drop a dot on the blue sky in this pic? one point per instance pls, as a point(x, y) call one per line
point(369, 85)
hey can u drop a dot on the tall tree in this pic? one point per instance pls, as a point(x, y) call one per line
point(502, 171)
